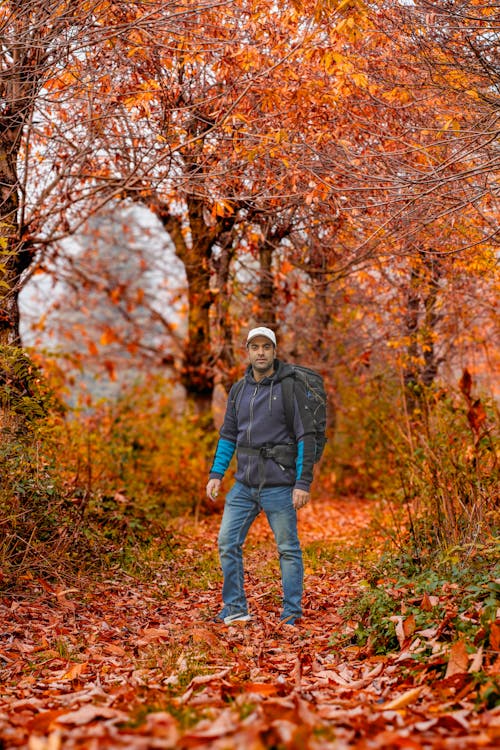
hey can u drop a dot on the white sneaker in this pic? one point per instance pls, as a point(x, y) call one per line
point(241, 617)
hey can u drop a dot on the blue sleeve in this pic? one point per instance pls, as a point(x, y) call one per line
point(222, 459)
point(299, 461)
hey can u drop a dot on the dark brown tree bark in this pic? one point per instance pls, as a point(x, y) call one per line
point(225, 356)
point(19, 80)
point(421, 321)
point(9, 239)
point(35, 36)
point(195, 250)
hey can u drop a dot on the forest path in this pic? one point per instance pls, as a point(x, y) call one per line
point(140, 664)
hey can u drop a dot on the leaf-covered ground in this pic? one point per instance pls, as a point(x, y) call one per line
point(129, 664)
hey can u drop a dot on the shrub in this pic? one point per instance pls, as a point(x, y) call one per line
point(145, 446)
point(37, 520)
point(435, 473)
point(83, 488)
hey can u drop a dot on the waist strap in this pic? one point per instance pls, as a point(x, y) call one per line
point(283, 453)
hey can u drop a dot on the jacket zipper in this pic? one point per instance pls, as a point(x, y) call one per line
point(249, 429)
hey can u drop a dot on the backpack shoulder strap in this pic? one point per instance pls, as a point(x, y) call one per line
point(288, 390)
point(236, 394)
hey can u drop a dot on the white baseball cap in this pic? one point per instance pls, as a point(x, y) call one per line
point(261, 331)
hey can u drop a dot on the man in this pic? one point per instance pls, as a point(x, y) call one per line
point(274, 474)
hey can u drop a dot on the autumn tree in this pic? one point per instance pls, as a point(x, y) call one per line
point(117, 303)
point(59, 66)
point(200, 116)
point(54, 89)
point(419, 161)
point(193, 132)
point(33, 37)
point(211, 136)
point(273, 135)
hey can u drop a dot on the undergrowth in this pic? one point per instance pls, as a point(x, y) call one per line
point(388, 593)
point(450, 601)
point(84, 490)
point(434, 473)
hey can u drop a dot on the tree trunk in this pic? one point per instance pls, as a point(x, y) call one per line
point(195, 252)
point(421, 321)
point(431, 318)
point(411, 379)
point(226, 358)
point(24, 43)
point(10, 265)
point(266, 291)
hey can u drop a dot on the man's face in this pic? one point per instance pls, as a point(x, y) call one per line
point(261, 355)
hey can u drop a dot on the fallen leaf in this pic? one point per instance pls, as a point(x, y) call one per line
point(397, 741)
point(225, 723)
point(62, 592)
point(153, 634)
point(495, 636)
point(76, 670)
point(43, 720)
point(458, 661)
point(204, 635)
point(112, 648)
point(454, 719)
point(405, 627)
point(202, 679)
point(52, 742)
point(162, 724)
point(427, 632)
point(332, 676)
point(261, 688)
point(86, 714)
point(402, 700)
point(428, 602)
point(477, 661)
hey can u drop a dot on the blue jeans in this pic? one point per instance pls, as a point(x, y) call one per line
point(243, 505)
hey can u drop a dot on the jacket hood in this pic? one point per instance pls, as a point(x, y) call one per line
point(281, 370)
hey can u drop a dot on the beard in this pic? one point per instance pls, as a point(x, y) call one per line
point(263, 366)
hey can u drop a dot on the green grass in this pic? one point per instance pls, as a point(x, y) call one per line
point(467, 598)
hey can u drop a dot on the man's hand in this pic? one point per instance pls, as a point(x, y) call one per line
point(300, 498)
point(213, 487)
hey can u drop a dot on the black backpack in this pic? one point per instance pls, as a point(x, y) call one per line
point(315, 394)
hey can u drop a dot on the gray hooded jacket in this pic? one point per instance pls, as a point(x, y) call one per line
point(255, 419)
